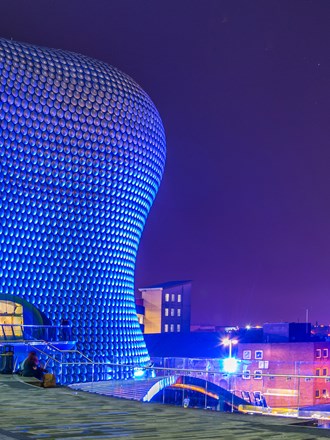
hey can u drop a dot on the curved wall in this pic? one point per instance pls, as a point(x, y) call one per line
point(82, 152)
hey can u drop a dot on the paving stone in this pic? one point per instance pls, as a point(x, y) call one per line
point(28, 412)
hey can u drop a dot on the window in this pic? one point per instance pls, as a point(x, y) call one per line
point(318, 353)
point(325, 352)
point(173, 297)
point(178, 312)
point(172, 312)
point(317, 394)
point(166, 312)
point(324, 372)
point(258, 374)
point(246, 374)
point(324, 393)
point(172, 328)
point(246, 396)
point(259, 354)
point(246, 354)
point(167, 297)
point(179, 298)
point(317, 372)
point(178, 328)
point(166, 328)
point(11, 314)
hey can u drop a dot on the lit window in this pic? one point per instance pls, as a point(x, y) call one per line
point(178, 328)
point(317, 394)
point(166, 312)
point(172, 327)
point(324, 372)
point(317, 372)
point(246, 374)
point(178, 312)
point(167, 297)
point(258, 374)
point(179, 297)
point(173, 297)
point(325, 352)
point(172, 312)
point(166, 328)
point(318, 353)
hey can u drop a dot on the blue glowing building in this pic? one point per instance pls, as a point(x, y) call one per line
point(82, 153)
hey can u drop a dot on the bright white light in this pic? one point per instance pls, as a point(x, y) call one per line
point(139, 372)
point(230, 365)
point(228, 341)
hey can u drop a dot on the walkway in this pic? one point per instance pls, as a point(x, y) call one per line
point(28, 412)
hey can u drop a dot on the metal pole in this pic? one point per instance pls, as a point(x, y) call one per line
point(298, 390)
point(232, 395)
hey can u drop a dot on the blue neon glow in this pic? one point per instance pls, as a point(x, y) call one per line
point(82, 153)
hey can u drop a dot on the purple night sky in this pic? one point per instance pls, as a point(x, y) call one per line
point(243, 88)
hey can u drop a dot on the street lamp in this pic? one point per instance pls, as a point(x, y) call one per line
point(227, 342)
point(230, 365)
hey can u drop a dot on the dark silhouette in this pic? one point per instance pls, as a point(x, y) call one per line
point(66, 329)
point(31, 367)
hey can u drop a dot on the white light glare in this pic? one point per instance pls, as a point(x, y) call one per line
point(230, 365)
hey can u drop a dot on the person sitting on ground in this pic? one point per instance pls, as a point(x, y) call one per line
point(31, 367)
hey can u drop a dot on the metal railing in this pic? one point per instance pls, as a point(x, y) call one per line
point(24, 332)
point(293, 391)
point(202, 383)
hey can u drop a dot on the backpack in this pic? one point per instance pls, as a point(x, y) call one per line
point(49, 380)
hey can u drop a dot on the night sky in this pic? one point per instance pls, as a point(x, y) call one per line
point(243, 89)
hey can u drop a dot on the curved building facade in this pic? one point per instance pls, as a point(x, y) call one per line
point(82, 153)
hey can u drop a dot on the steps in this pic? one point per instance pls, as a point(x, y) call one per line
point(124, 389)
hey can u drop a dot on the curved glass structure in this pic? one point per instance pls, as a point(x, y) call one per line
point(82, 153)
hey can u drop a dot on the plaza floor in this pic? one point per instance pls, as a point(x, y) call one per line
point(29, 412)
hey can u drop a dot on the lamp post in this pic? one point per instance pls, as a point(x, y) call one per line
point(230, 365)
point(227, 342)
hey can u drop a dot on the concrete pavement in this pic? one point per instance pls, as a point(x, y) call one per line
point(29, 412)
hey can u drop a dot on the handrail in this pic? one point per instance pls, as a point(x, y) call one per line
point(18, 332)
point(36, 325)
point(53, 347)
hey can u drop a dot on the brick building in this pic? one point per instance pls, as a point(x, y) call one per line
point(288, 374)
point(165, 307)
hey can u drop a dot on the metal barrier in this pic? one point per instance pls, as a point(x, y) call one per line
point(198, 382)
point(26, 332)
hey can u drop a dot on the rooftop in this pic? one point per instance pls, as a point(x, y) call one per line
point(166, 285)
